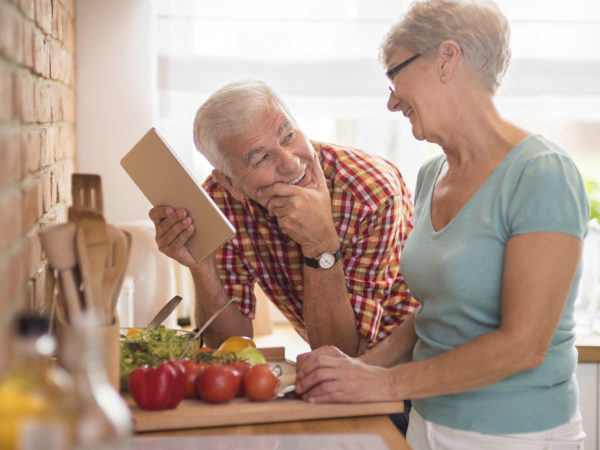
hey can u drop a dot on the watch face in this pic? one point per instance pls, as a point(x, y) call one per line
point(327, 260)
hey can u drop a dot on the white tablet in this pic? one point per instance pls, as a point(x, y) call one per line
point(165, 180)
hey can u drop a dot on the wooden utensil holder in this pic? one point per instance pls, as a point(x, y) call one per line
point(109, 341)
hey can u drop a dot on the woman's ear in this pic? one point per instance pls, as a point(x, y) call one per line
point(227, 183)
point(449, 52)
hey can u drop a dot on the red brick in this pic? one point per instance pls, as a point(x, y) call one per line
point(25, 98)
point(46, 184)
point(27, 8)
point(31, 151)
point(31, 208)
point(10, 205)
point(69, 7)
point(63, 182)
point(43, 15)
point(33, 254)
point(41, 54)
point(7, 102)
point(68, 106)
point(49, 143)
point(27, 46)
point(10, 160)
point(69, 35)
point(58, 29)
point(43, 101)
point(11, 26)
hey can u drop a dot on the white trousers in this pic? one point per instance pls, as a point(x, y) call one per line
point(425, 435)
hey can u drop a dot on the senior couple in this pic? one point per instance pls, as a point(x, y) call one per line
point(477, 328)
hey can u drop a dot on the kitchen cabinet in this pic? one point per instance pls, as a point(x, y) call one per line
point(589, 401)
point(588, 378)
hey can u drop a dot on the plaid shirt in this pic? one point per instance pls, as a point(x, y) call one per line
point(372, 212)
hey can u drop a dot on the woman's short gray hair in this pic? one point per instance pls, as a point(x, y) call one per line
point(231, 110)
point(478, 26)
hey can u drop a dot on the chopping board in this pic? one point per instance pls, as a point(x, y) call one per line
point(192, 413)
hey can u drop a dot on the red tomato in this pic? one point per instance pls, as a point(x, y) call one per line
point(241, 367)
point(260, 383)
point(192, 369)
point(218, 383)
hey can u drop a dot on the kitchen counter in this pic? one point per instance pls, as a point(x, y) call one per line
point(343, 433)
point(588, 346)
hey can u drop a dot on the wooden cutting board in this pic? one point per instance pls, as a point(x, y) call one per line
point(199, 414)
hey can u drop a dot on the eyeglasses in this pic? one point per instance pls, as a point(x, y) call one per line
point(394, 70)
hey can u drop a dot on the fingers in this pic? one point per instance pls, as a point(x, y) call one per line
point(173, 228)
point(318, 173)
point(158, 213)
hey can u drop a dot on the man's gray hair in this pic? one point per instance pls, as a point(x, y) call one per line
point(229, 111)
point(478, 26)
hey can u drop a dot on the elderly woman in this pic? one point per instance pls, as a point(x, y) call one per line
point(489, 358)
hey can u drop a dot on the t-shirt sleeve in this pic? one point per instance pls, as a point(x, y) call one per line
point(549, 195)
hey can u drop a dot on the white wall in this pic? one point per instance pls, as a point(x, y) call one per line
point(115, 95)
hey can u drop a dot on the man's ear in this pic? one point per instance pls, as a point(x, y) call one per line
point(227, 184)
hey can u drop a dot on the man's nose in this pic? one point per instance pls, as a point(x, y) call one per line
point(287, 161)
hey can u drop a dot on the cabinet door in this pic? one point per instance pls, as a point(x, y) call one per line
point(589, 400)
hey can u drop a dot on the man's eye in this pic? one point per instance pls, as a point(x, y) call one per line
point(289, 137)
point(262, 159)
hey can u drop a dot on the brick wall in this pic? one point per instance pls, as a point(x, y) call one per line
point(37, 141)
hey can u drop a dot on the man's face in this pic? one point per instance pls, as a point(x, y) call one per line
point(272, 150)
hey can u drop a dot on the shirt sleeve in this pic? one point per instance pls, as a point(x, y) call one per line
point(372, 264)
point(236, 278)
point(549, 195)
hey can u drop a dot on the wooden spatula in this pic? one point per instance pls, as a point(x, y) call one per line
point(117, 256)
point(87, 214)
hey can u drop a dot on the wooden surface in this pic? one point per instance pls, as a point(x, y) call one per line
point(380, 425)
point(588, 353)
point(588, 347)
point(241, 411)
point(199, 414)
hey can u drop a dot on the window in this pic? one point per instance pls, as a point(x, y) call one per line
point(321, 56)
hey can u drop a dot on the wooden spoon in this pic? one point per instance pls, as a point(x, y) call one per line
point(116, 261)
point(58, 242)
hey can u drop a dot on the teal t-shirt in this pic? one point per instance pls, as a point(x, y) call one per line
point(456, 274)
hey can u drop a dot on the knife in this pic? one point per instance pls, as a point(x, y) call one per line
point(204, 327)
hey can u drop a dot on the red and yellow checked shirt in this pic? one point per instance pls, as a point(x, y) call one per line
point(372, 212)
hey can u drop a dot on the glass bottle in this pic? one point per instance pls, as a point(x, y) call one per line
point(103, 419)
point(36, 401)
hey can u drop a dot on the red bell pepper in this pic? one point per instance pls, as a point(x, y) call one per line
point(179, 385)
point(159, 387)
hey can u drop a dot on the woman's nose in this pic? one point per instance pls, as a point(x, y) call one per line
point(393, 103)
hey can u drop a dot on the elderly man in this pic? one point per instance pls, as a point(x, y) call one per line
point(319, 227)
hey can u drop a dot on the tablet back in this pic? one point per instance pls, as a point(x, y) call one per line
point(165, 180)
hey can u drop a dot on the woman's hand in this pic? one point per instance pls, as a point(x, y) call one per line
point(327, 375)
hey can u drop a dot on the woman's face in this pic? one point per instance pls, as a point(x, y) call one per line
point(411, 91)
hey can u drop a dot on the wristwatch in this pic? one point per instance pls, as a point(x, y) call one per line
point(324, 260)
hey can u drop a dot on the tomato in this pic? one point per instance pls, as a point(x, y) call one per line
point(241, 367)
point(234, 344)
point(192, 369)
point(260, 383)
point(218, 383)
